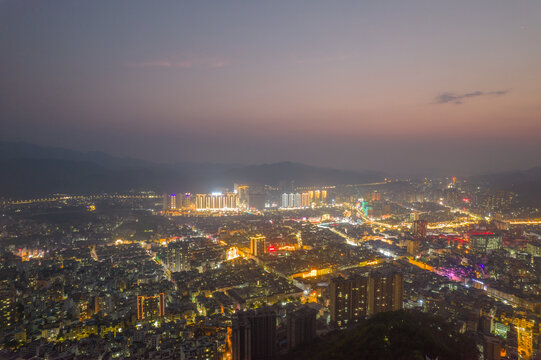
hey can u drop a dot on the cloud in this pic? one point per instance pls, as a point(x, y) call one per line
point(448, 97)
point(188, 63)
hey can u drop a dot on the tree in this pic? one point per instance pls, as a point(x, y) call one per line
point(397, 335)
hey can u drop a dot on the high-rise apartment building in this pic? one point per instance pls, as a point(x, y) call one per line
point(169, 202)
point(317, 197)
point(257, 245)
point(492, 348)
point(254, 335)
point(292, 200)
point(149, 307)
point(385, 291)
point(348, 299)
point(364, 295)
point(374, 195)
point(301, 327)
point(496, 201)
point(285, 200)
point(7, 307)
point(305, 200)
point(178, 256)
point(216, 201)
point(413, 247)
point(242, 192)
point(174, 202)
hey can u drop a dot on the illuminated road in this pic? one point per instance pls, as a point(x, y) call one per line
point(464, 211)
point(452, 224)
point(370, 221)
point(348, 239)
point(79, 197)
point(525, 221)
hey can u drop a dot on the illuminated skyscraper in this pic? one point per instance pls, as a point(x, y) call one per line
point(172, 202)
point(293, 200)
point(385, 291)
point(7, 308)
point(305, 200)
point(374, 196)
point(231, 201)
point(200, 202)
point(298, 200)
point(257, 245)
point(348, 299)
point(242, 192)
point(169, 202)
point(324, 196)
point(178, 257)
point(285, 200)
point(216, 201)
point(317, 196)
point(149, 307)
point(354, 298)
point(188, 201)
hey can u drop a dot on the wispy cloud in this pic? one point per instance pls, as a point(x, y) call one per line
point(187, 63)
point(448, 97)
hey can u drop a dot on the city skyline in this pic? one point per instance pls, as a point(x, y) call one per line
point(391, 87)
point(269, 180)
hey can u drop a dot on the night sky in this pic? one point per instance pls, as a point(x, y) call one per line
point(381, 85)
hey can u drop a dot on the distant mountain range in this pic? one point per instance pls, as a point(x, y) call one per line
point(23, 150)
point(510, 178)
point(28, 170)
point(526, 183)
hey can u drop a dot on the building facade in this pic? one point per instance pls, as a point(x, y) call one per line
point(257, 245)
point(364, 295)
point(254, 335)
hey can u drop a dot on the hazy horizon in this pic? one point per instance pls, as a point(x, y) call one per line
point(397, 87)
point(435, 172)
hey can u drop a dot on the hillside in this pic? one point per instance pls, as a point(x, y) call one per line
point(526, 183)
point(390, 336)
point(29, 170)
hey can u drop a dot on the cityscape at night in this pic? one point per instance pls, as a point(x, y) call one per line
point(270, 180)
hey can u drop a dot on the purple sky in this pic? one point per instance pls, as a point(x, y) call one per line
point(383, 85)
